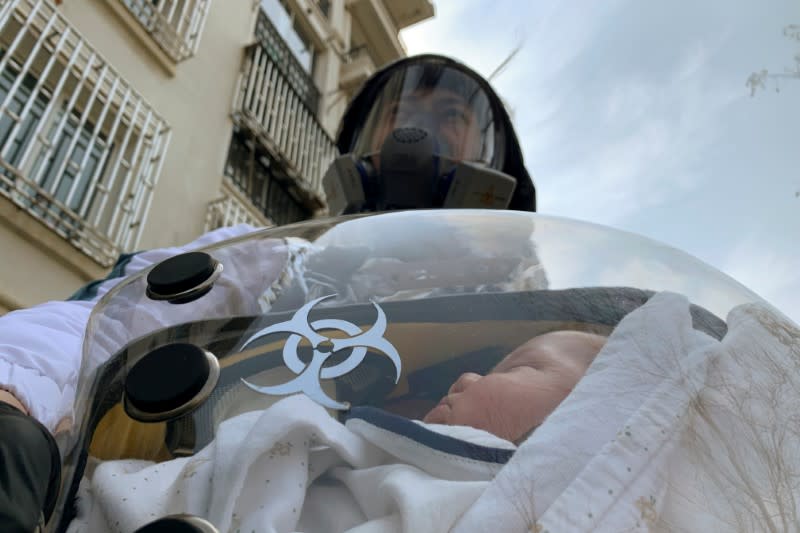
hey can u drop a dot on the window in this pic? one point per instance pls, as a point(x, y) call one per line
point(75, 148)
point(13, 151)
point(285, 23)
point(80, 149)
point(74, 160)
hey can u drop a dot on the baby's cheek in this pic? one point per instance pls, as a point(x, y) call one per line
point(473, 407)
point(489, 409)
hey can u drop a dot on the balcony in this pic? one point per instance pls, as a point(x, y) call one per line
point(174, 25)
point(233, 208)
point(262, 182)
point(275, 104)
point(356, 69)
point(407, 12)
point(374, 25)
point(80, 149)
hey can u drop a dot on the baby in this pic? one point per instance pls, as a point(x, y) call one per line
point(523, 389)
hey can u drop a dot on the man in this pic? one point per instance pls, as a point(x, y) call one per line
point(424, 132)
point(427, 132)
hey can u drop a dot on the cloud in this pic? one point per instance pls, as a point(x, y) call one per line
point(625, 141)
point(635, 115)
point(773, 275)
point(598, 127)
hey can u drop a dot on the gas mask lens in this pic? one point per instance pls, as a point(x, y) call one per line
point(441, 100)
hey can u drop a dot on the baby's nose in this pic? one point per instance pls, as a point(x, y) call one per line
point(464, 380)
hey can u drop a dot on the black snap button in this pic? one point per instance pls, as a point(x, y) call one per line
point(182, 278)
point(178, 524)
point(168, 382)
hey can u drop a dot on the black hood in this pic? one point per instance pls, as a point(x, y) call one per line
point(524, 198)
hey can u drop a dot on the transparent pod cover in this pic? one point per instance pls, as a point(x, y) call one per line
point(404, 313)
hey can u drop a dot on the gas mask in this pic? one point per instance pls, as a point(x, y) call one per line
point(409, 172)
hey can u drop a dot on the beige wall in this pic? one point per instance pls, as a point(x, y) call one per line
point(37, 265)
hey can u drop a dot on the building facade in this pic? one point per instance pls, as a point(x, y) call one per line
point(134, 124)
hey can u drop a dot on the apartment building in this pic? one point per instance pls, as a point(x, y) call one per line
point(133, 124)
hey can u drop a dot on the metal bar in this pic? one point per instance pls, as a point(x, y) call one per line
point(126, 184)
point(179, 23)
point(306, 126)
point(301, 140)
point(37, 89)
point(269, 95)
point(198, 32)
point(107, 147)
point(251, 77)
point(238, 90)
point(259, 102)
point(93, 139)
point(12, 48)
point(172, 5)
point(79, 128)
point(263, 95)
point(253, 104)
point(5, 10)
point(298, 131)
point(53, 101)
point(26, 66)
point(142, 184)
point(272, 111)
point(284, 114)
point(83, 211)
point(317, 158)
point(120, 156)
point(280, 121)
point(275, 109)
point(318, 152)
point(291, 129)
point(310, 147)
point(146, 212)
point(60, 128)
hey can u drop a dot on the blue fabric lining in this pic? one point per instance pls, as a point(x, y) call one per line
point(437, 441)
point(89, 291)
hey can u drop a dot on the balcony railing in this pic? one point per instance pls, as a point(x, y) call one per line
point(261, 182)
point(80, 149)
point(231, 209)
point(282, 57)
point(175, 25)
point(276, 111)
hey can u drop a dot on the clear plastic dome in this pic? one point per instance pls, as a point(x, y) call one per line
point(390, 312)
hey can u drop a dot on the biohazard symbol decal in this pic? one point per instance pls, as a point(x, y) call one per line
point(309, 375)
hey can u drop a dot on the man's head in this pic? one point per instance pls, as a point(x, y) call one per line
point(445, 113)
point(523, 389)
point(429, 123)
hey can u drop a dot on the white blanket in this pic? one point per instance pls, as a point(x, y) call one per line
point(670, 430)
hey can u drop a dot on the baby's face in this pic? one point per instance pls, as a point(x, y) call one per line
point(523, 389)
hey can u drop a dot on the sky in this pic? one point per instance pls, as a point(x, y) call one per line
point(637, 115)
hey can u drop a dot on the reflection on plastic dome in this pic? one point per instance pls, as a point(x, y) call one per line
point(417, 338)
